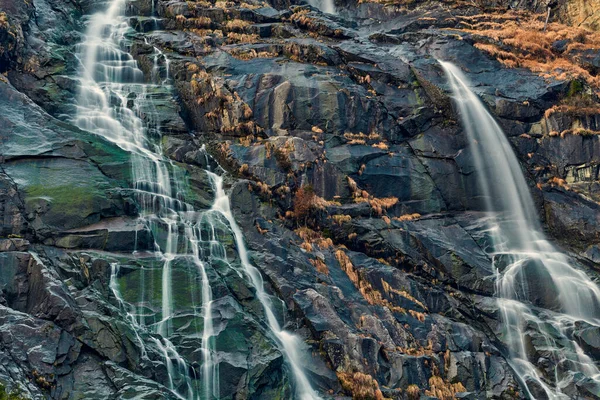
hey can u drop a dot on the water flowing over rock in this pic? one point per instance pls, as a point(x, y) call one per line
point(295, 200)
point(531, 271)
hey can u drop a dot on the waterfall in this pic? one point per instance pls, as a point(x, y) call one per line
point(290, 344)
point(326, 6)
point(113, 103)
point(541, 296)
point(158, 56)
point(165, 346)
point(114, 269)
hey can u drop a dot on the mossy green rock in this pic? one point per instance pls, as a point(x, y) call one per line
point(66, 177)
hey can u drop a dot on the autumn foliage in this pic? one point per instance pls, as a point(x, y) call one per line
point(304, 201)
point(360, 386)
point(519, 40)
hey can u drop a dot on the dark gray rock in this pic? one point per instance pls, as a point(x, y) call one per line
point(572, 217)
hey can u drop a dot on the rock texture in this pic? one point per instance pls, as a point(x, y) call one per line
point(582, 13)
point(348, 174)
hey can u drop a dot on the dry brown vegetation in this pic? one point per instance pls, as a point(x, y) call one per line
point(237, 25)
point(380, 145)
point(362, 138)
point(304, 202)
point(319, 265)
point(201, 3)
point(379, 205)
point(571, 110)
point(555, 181)
point(260, 230)
point(390, 291)
point(362, 169)
point(408, 217)
point(225, 149)
point(193, 23)
point(578, 107)
point(4, 24)
point(301, 19)
point(519, 40)
point(395, 3)
point(263, 188)
point(442, 389)
point(372, 295)
point(282, 154)
point(576, 132)
point(413, 392)
point(223, 110)
point(417, 315)
point(246, 141)
point(417, 350)
point(244, 169)
point(249, 54)
point(234, 37)
point(224, 4)
point(240, 128)
point(575, 105)
point(360, 386)
point(312, 238)
point(341, 219)
point(42, 380)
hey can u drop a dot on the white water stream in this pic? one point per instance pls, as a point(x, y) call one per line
point(113, 102)
point(113, 98)
point(540, 294)
point(326, 6)
point(290, 344)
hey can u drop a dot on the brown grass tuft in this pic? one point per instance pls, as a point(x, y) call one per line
point(360, 386)
point(408, 217)
point(370, 294)
point(443, 390)
point(519, 40)
point(413, 392)
point(320, 265)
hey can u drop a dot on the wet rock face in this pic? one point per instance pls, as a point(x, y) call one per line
point(573, 218)
point(11, 208)
point(41, 60)
point(384, 273)
point(40, 155)
point(54, 346)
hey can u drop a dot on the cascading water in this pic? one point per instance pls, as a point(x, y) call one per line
point(166, 347)
point(326, 6)
point(112, 96)
point(156, 68)
point(541, 296)
point(290, 344)
point(111, 103)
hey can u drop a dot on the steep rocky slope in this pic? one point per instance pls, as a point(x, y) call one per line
point(348, 174)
